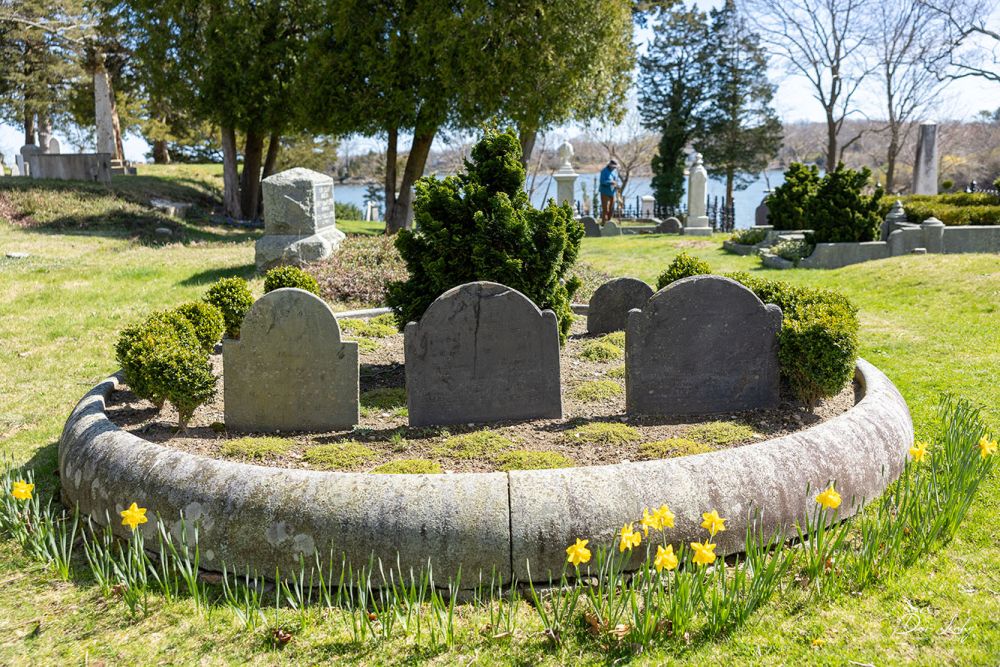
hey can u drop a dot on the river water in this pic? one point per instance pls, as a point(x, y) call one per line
point(746, 200)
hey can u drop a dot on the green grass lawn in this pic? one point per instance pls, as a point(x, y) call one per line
point(932, 323)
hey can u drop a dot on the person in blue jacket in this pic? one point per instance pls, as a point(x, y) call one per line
point(609, 185)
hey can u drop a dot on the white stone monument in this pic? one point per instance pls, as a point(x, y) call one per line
point(697, 221)
point(54, 147)
point(925, 167)
point(565, 176)
point(299, 222)
point(648, 207)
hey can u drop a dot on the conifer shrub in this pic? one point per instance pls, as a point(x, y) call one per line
point(206, 320)
point(233, 297)
point(787, 205)
point(683, 266)
point(289, 276)
point(479, 225)
point(840, 211)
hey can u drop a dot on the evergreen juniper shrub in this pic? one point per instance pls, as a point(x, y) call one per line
point(787, 205)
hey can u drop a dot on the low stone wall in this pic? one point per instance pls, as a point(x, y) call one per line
point(836, 255)
point(265, 518)
point(94, 167)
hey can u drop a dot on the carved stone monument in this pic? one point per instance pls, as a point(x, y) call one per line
point(697, 220)
point(289, 370)
point(609, 307)
point(700, 345)
point(299, 224)
point(925, 167)
point(482, 352)
point(565, 176)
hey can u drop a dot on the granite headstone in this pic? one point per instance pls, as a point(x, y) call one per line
point(609, 307)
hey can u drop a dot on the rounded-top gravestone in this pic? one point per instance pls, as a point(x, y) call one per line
point(609, 307)
point(590, 226)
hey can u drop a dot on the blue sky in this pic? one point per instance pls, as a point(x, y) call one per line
point(963, 99)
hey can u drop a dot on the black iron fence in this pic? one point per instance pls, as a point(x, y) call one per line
point(722, 218)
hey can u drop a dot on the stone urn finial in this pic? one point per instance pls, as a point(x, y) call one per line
point(565, 155)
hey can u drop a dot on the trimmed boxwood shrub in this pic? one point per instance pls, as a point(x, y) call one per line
point(683, 266)
point(289, 276)
point(786, 206)
point(233, 297)
point(207, 321)
point(840, 212)
point(480, 226)
point(959, 208)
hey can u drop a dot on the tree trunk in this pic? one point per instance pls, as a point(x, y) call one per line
point(890, 162)
point(116, 125)
point(527, 135)
point(831, 142)
point(29, 128)
point(273, 147)
point(161, 154)
point(44, 131)
point(253, 154)
point(415, 162)
point(391, 152)
point(230, 176)
point(730, 177)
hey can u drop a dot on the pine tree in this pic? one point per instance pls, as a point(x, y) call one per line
point(742, 131)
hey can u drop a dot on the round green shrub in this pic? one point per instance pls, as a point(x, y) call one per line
point(289, 276)
point(787, 205)
point(233, 297)
point(948, 184)
point(840, 212)
point(182, 375)
point(207, 321)
point(480, 225)
point(683, 266)
point(138, 343)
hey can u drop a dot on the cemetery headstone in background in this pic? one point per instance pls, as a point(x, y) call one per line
point(482, 352)
point(590, 226)
point(702, 344)
point(290, 371)
point(669, 226)
point(609, 307)
point(611, 228)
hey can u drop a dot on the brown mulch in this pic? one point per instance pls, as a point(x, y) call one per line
point(380, 431)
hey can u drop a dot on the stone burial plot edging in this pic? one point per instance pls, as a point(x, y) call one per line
point(260, 518)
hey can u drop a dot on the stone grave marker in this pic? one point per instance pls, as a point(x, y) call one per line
point(761, 212)
point(54, 147)
point(702, 344)
point(14, 171)
point(590, 226)
point(611, 228)
point(482, 352)
point(669, 226)
point(612, 301)
point(299, 224)
point(290, 371)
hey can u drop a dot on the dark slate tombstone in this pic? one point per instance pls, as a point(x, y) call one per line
point(611, 228)
point(482, 352)
point(702, 344)
point(669, 226)
point(590, 226)
point(290, 371)
point(760, 214)
point(611, 303)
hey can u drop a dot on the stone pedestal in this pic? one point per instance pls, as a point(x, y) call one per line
point(565, 176)
point(697, 221)
point(933, 234)
point(299, 223)
point(895, 214)
point(925, 167)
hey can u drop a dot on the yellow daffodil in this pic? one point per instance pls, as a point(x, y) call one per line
point(818, 642)
point(665, 517)
point(713, 523)
point(829, 499)
point(22, 490)
point(665, 558)
point(134, 516)
point(629, 538)
point(918, 451)
point(987, 447)
point(649, 521)
point(704, 554)
point(578, 553)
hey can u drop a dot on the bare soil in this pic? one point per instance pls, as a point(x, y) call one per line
point(386, 431)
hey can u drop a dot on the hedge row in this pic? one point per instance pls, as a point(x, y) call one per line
point(960, 208)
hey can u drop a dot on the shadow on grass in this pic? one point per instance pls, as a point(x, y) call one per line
point(209, 276)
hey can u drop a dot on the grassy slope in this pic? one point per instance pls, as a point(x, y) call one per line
point(931, 323)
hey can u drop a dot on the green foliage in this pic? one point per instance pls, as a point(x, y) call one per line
point(682, 266)
point(596, 390)
point(793, 249)
point(603, 433)
point(348, 455)
point(601, 350)
point(232, 296)
point(616, 338)
point(523, 459)
point(382, 326)
point(948, 184)
point(206, 320)
point(721, 433)
point(959, 208)
point(787, 205)
point(616, 372)
point(409, 467)
point(183, 376)
point(480, 226)
point(347, 211)
point(257, 448)
point(662, 449)
point(138, 343)
point(750, 236)
point(473, 445)
point(289, 276)
point(839, 212)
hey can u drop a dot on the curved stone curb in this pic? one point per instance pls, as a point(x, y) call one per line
point(265, 518)
point(862, 451)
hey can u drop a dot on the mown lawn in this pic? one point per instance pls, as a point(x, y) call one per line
point(932, 323)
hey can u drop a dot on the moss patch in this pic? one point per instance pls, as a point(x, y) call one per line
point(603, 433)
point(366, 344)
point(339, 456)
point(382, 326)
point(596, 390)
point(616, 372)
point(601, 350)
point(257, 448)
point(522, 459)
point(473, 445)
point(616, 338)
point(408, 467)
point(386, 399)
point(721, 433)
point(664, 449)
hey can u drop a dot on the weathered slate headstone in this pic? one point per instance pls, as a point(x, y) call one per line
point(299, 224)
point(702, 344)
point(761, 212)
point(611, 228)
point(669, 226)
point(590, 226)
point(290, 371)
point(609, 307)
point(482, 352)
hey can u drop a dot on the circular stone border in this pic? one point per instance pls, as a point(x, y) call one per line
point(260, 518)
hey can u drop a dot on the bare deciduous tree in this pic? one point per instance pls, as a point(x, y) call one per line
point(970, 44)
point(629, 145)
